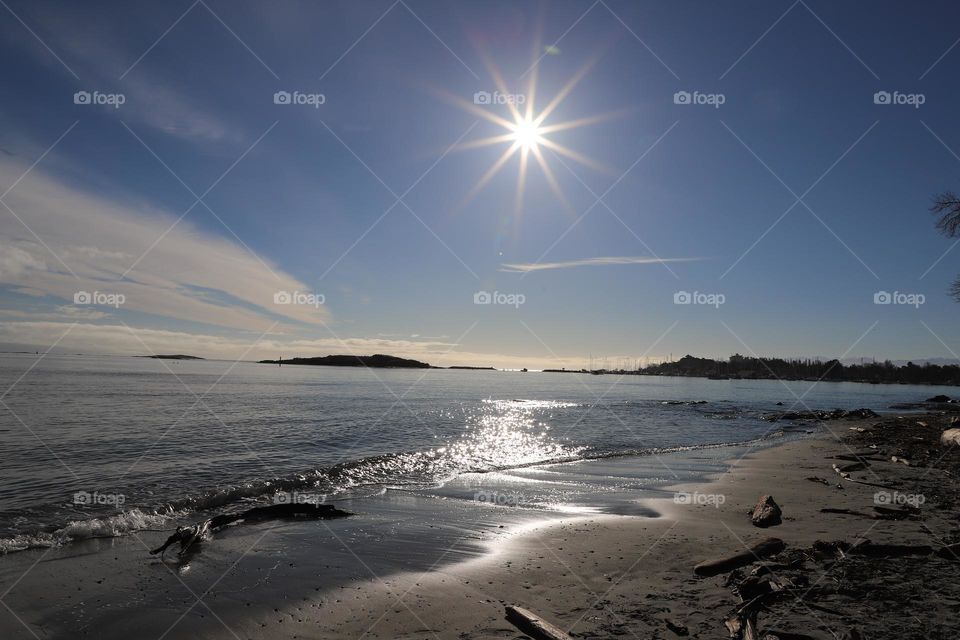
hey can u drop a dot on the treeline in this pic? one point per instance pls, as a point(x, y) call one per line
point(739, 366)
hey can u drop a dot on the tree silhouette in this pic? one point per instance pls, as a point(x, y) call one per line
point(947, 206)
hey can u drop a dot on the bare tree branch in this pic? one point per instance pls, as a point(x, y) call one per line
point(947, 206)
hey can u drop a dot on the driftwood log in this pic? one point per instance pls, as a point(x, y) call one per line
point(188, 536)
point(846, 476)
point(533, 625)
point(762, 549)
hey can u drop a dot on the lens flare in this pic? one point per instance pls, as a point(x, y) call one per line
point(526, 132)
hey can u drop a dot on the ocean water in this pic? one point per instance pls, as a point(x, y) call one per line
point(96, 446)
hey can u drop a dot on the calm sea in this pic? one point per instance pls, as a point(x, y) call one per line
point(100, 446)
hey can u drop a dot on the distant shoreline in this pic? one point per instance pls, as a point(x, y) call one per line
point(376, 361)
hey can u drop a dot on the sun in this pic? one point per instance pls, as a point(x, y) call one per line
point(527, 134)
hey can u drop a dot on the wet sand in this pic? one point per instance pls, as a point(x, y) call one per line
point(613, 558)
point(612, 576)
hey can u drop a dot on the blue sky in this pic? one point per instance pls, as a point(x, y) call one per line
point(293, 197)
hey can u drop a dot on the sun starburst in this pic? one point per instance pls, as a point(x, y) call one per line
point(526, 133)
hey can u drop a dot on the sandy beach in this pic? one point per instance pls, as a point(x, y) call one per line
point(621, 576)
point(626, 572)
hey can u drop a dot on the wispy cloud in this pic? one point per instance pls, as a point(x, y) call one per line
point(99, 59)
point(525, 267)
point(89, 243)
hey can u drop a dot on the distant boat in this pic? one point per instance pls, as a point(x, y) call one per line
point(524, 370)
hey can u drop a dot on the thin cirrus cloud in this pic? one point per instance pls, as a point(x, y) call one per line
point(98, 62)
point(59, 240)
point(526, 267)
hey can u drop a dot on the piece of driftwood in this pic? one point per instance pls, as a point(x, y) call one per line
point(846, 476)
point(855, 457)
point(846, 512)
point(533, 625)
point(677, 627)
point(820, 480)
point(188, 536)
point(897, 513)
point(762, 549)
point(854, 466)
point(742, 623)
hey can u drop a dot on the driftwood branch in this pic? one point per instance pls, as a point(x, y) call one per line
point(763, 549)
point(188, 536)
point(533, 625)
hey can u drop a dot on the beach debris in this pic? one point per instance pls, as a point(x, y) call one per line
point(854, 466)
point(846, 476)
point(857, 456)
point(742, 623)
point(950, 437)
point(820, 480)
point(864, 547)
point(897, 513)
point(900, 460)
point(767, 513)
point(763, 549)
point(533, 625)
point(836, 414)
point(188, 536)
point(939, 398)
point(677, 627)
point(882, 513)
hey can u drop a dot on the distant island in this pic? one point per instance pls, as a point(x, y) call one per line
point(379, 361)
point(463, 366)
point(740, 367)
point(174, 356)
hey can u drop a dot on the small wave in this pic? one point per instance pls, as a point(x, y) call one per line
point(414, 470)
point(535, 404)
point(106, 527)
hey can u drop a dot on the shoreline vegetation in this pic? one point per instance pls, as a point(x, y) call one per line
point(738, 367)
point(376, 361)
